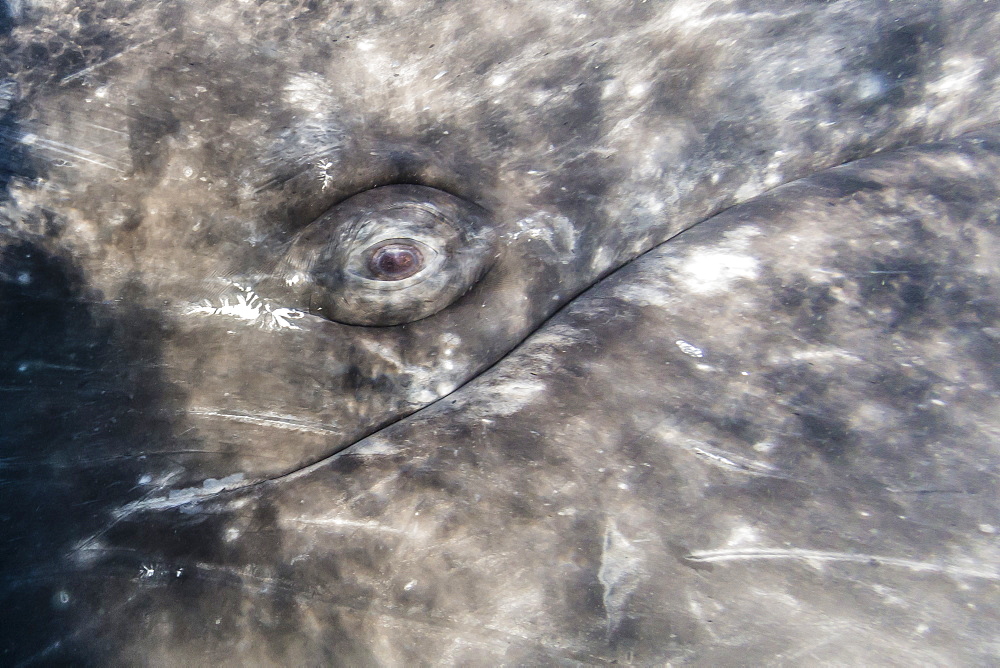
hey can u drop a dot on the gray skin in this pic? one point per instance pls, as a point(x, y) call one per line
point(184, 475)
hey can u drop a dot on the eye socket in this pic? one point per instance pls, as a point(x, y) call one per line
point(394, 260)
point(389, 255)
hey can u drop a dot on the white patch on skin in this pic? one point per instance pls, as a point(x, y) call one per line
point(742, 535)
point(748, 190)
point(341, 524)
point(712, 271)
point(959, 77)
point(325, 174)
point(817, 559)
point(310, 93)
point(602, 258)
point(374, 446)
point(722, 459)
point(870, 85)
point(621, 564)
point(505, 398)
point(645, 293)
point(638, 90)
point(182, 497)
point(424, 396)
point(248, 306)
point(689, 349)
point(557, 232)
point(262, 419)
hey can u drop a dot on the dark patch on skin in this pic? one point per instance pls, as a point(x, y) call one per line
point(578, 116)
point(901, 389)
point(585, 595)
point(769, 490)
point(146, 140)
point(902, 53)
point(628, 634)
point(346, 464)
point(901, 50)
point(7, 18)
point(60, 341)
point(741, 427)
point(900, 284)
point(726, 139)
point(826, 432)
point(367, 504)
point(810, 304)
point(960, 198)
point(685, 77)
point(524, 448)
point(845, 185)
point(428, 477)
point(984, 349)
point(819, 419)
point(15, 158)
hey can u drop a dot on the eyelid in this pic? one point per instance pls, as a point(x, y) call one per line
point(326, 268)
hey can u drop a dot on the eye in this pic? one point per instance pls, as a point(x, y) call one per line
point(389, 255)
point(395, 260)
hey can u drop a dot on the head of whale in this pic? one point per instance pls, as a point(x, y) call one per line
point(241, 243)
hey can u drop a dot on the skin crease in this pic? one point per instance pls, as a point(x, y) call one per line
point(768, 442)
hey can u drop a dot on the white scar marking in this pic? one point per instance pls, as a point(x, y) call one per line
point(689, 349)
point(325, 175)
point(102, 63)
point(618, 574)
point(794, 554)
point(268, 420)
point(249, 307)
point(339, 523)
point(708, 272)
point(712, 271)
point(183, 497)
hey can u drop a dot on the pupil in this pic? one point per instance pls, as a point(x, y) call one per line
point(394, 262)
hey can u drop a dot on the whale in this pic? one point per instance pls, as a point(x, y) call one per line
point(498, 333)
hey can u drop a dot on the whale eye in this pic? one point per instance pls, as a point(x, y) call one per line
point(389, 255)
point(395, 260)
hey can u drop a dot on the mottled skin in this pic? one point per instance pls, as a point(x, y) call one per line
point(182, 474)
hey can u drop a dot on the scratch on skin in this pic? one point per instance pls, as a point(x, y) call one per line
point(795, 554)
point(618, 574)
point(181, 497)
point(102, 63)
point(267, 420)
point(732, 462)
point(68, 150)
point(339, 523)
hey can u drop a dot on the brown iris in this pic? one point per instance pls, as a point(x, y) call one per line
point(395, 261)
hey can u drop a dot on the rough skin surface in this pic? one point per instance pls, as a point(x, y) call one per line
point(769, 440)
